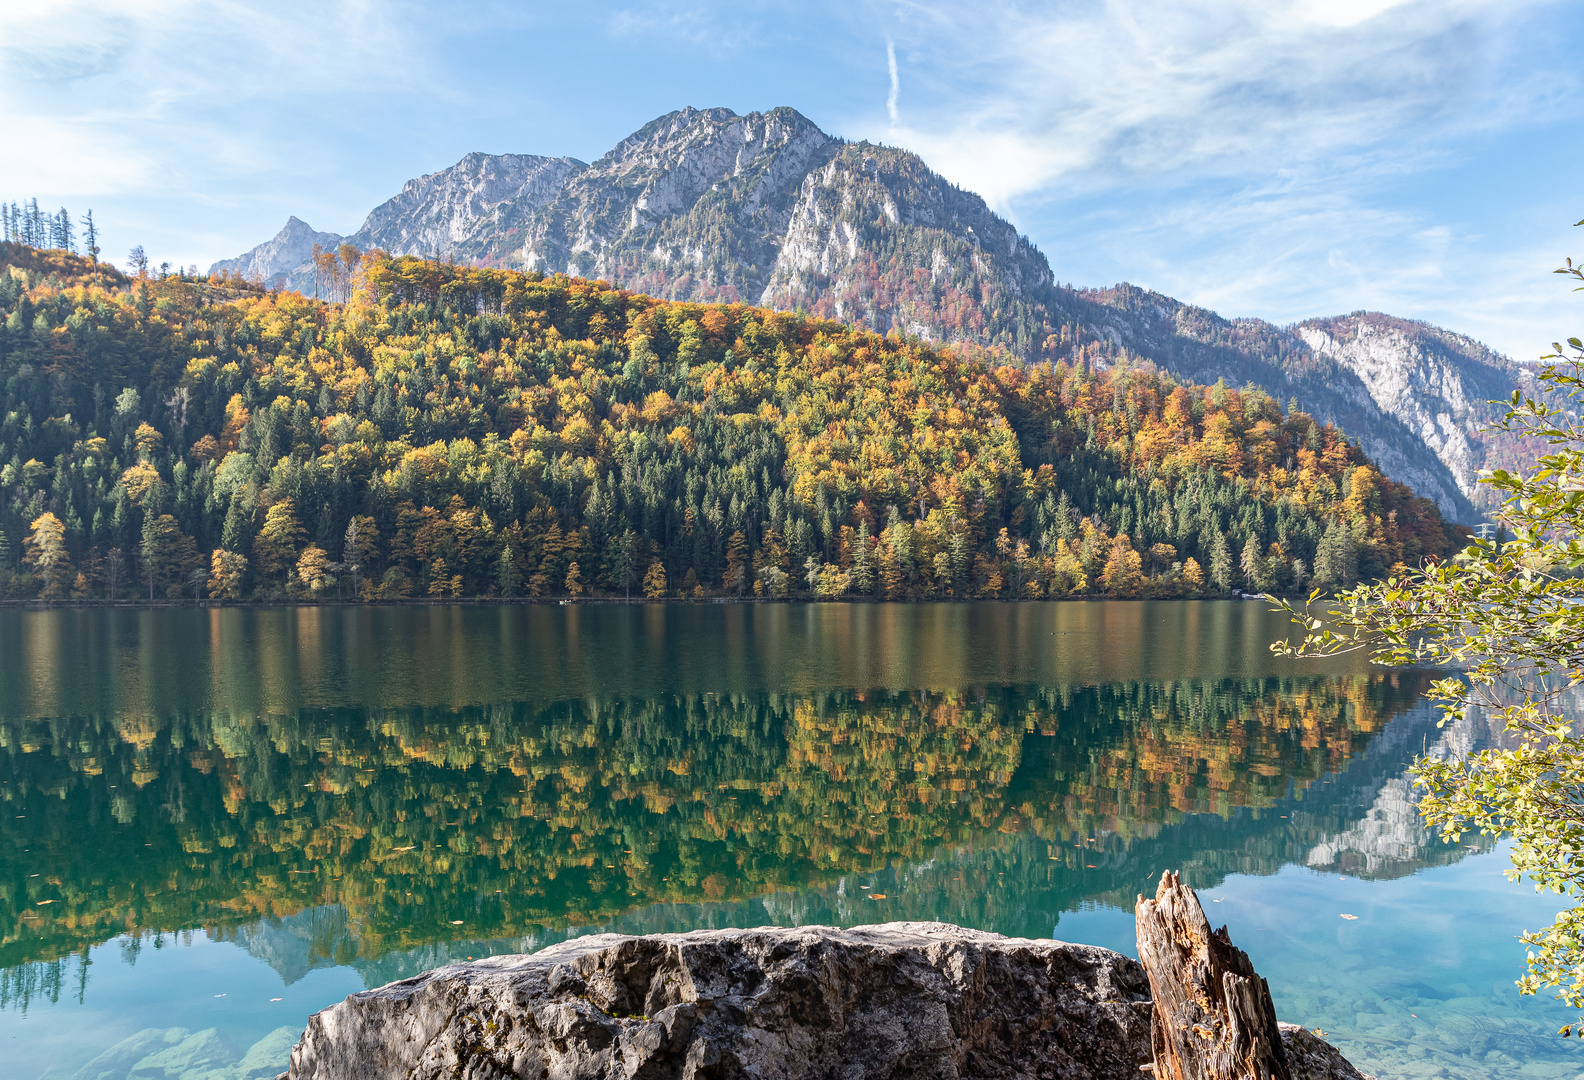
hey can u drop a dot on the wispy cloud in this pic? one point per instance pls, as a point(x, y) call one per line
point(891, 98)
point(171, 107)
point(1252, 156)
point(1027, 98)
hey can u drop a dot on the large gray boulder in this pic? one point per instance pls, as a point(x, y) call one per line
point(926, 1000)
point(896, 1000)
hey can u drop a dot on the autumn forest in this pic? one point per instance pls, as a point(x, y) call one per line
point(438, 431)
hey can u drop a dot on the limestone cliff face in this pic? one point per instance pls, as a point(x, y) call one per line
point(692, 206)
point(1437, 384)
point(471, 210)
point(878, 239)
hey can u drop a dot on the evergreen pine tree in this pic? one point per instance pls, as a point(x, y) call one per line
point(1066, 527)
point(1348, 554)
point(626, 561)
point(1327, 561)
point(960, 558)
point(1220, 563)
point(507, 576)
point(90, 238)
point(1252, 564)
point(863, 560)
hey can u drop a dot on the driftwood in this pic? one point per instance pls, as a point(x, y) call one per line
point(1213, 1016)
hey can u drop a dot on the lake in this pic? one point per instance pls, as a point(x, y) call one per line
point(214, 822)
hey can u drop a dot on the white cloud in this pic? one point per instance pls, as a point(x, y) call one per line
point(1075, 96)
point(160, 113)
point(1344, 12)
point(1255, 157)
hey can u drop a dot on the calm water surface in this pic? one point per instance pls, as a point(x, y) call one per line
point(214, 823)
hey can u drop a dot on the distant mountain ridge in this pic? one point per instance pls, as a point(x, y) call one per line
point(768, 209)
point(277, 258)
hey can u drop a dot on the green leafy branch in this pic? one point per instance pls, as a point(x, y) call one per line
point(1505, 617)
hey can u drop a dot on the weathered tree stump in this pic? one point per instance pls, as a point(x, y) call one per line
point(1213, 1017)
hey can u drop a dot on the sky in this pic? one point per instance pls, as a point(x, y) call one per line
point(1283, 159)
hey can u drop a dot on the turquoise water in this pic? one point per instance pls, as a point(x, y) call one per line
point(213, 824)
point(1420, 985)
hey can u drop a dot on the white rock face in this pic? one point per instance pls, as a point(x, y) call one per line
point(1436, 383)
point(465, 206)
point(468, 211)
point(867, 218)
point(698, 192)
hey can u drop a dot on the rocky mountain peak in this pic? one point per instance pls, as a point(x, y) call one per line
point(673, 134)
point(277, 259)
point(640, 214)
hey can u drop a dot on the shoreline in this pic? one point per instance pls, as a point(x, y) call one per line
point(596, 601)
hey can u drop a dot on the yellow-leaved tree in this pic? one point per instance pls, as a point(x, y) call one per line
point(46, 553)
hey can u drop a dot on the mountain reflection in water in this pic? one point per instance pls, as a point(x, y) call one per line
point(352, 788)
point(519, 819)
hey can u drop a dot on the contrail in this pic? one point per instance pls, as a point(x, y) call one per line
point(891, 99)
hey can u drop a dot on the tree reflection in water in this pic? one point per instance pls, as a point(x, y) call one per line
point(522, 819)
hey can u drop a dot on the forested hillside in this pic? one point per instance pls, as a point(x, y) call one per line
point(456, 432)
point(705, 205)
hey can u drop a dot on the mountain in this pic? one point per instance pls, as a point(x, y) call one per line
point(766, 208)
point(1414, 395)
point(1438, 384)
point(693, 206)
point(467, 212)
point(276, 260)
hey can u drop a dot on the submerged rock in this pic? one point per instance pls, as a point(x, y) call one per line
point(895, 1000)
point(179, 1054)
point(207, 1054)
point(116, 1062)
